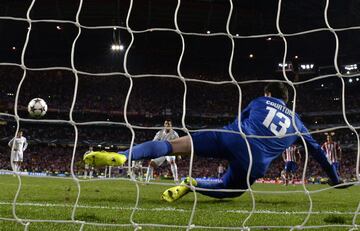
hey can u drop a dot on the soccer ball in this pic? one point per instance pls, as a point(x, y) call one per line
point(37, 107)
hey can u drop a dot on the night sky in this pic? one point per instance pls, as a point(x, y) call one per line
point(158, 52)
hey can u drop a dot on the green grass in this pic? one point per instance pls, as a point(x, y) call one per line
point(112, 202)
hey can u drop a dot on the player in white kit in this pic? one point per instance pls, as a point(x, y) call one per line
point(165, 134)
point(18, 145)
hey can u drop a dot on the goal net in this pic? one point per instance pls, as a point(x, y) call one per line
point(112, 72)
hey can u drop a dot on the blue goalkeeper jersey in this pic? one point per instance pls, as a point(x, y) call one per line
point(268, 116)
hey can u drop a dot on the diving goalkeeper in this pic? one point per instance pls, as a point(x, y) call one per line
point(264, 116)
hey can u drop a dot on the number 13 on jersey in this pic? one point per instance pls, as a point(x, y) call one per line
point(279, 128)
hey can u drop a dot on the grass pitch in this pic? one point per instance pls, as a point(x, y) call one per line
point(111, 202)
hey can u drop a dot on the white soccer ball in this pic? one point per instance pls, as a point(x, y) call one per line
point(37, 107)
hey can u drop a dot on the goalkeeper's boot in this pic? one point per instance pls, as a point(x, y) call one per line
point(174, 193)
point(104, 158)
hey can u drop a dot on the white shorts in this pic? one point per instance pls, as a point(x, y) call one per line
point(159, 161)
point(136, 164)
point(17, 156)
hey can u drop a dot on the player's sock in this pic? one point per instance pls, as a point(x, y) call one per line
point(104, 159)
point(149, 174)
point(174, 172)
point(16, 167)
point(91, 174)
point(85, 174)
point(149, 150)
point(174, 193)
point(109, 173)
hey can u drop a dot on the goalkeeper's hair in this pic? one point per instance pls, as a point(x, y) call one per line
point(277, 90)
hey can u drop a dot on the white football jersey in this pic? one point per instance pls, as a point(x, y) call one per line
point(163, 135)
point(20, 144)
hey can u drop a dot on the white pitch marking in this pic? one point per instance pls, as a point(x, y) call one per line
point(173, 209)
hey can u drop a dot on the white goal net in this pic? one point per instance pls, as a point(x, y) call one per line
point(167, 66)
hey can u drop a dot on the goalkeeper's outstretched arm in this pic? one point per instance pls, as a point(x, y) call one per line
point(318, 153)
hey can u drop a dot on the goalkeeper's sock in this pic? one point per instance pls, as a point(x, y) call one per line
point(149, 150)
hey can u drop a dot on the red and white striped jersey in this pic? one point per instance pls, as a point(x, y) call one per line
point(290, 153)
point(332, 150)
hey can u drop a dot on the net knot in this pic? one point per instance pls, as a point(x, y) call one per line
point(79, 222)
point(331, 29)
point(27, 225)
point(298, 227)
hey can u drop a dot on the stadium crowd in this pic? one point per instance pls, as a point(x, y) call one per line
point(57, 89)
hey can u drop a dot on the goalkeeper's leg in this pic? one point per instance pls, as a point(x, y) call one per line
point(147, 150)
point(156, 149)
point(174, 193)
point(234, 178)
